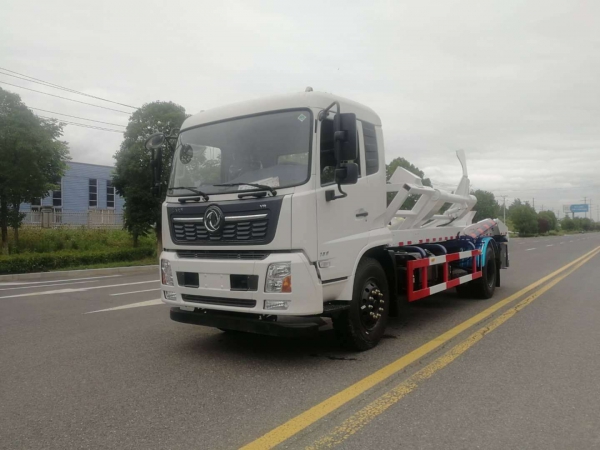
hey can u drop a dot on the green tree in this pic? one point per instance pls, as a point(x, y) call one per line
point(133, 173)
point(401, 162)
point(33, 159)
point(543, 225)
point(586, 224)
point(487, 207)
point(525, 219)
point(547, 221)
point(513, 207)
point(567, 223)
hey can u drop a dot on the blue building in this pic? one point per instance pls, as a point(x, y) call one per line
point(86, 197)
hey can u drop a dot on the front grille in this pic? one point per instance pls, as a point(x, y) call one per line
point(245, 303)
point(246, 230)
point(216, 254)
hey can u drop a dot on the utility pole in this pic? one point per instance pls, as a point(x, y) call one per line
point(534, 203)
point(585, 201)
point(504, 207)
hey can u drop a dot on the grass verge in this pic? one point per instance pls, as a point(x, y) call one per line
point(46, 240)
point(42, 262)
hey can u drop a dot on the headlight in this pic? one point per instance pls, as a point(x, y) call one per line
point(169, 295)
point(166, 274)
point(279, 277)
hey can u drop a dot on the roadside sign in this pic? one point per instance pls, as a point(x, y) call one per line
point(566, 208)
point(580, 208)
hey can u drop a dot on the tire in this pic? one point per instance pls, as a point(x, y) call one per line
point(362, 326)
point(484, 287)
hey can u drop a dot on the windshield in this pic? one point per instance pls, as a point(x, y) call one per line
point(270, 149)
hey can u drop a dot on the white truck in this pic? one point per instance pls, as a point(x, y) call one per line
point(277, 216)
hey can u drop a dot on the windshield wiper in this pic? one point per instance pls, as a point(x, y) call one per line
point(255, 194)
point(191, 189)
point(256, 185)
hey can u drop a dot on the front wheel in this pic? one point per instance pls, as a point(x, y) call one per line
point(363, 324)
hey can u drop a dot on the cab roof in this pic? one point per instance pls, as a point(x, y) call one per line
point(309, 99)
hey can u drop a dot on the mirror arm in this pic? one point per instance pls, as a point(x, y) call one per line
point(330, 194)
point(323, 114)
point(152, 166)
point(168, 140)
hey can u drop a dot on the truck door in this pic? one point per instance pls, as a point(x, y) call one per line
point(343, 224)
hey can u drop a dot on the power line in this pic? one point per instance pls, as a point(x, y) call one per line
point(56, 86)
point(65, 98)
point(76, 117)
point(83, 125)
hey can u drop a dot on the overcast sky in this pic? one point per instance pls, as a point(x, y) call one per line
point(516, 84)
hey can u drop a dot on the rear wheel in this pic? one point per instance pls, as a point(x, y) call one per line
point(484, 287)
point(363, 324)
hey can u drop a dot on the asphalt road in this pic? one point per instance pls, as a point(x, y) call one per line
point(97, 363)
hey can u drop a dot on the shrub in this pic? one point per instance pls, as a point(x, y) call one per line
point(40, 240)
point(41, 262)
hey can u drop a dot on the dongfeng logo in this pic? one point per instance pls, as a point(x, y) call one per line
point(213, 219)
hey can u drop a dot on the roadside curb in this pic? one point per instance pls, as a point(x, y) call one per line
point(131, 270)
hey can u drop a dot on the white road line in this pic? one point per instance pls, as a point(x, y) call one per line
point(69, 291)
point(131, 305)
point(47, 285)
point(135, 292)
point(562, 242)
point(530, 249)
point(20, 283)
point(570, 241)
point(550, 245)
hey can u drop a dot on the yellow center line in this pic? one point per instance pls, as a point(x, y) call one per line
point(317, 412)
point(364, 416)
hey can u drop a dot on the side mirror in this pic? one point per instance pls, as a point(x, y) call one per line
point(345, 134)
point(347, 173)
point(155, 141)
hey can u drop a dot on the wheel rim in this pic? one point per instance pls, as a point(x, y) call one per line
point(372, 305)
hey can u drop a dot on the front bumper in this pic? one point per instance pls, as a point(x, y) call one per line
point(214, 291)
point(301, 327)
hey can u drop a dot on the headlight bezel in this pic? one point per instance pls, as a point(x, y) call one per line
point(166, 273)
point(278, 279)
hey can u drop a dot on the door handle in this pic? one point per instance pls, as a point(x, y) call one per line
point(362, 213)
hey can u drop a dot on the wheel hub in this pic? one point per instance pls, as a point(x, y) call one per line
point(372, 305)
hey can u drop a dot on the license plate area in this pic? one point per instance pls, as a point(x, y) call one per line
point(204, 280)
